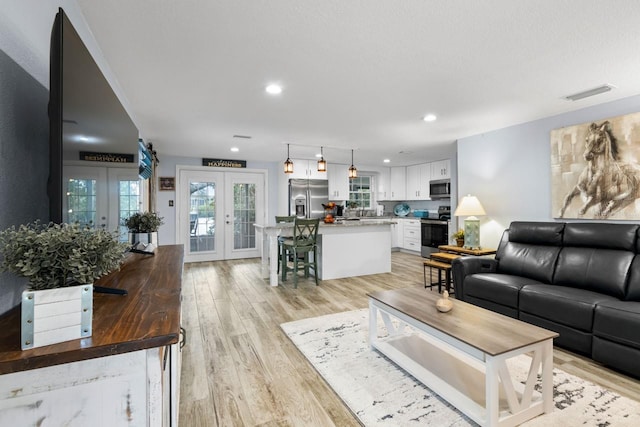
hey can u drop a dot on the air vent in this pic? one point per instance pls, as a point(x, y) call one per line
point(242, 136)
point(591, 92)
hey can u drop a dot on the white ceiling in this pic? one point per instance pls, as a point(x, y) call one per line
point(357, 74)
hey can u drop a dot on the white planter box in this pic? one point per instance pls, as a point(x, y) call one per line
point(55, 315)
point(144, 238)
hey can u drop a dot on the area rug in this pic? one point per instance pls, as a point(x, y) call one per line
point(381, 394)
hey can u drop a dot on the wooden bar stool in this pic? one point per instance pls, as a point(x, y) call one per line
point(441, 267)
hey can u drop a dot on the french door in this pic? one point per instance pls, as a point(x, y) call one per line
point(217, 211)
point(100, 196)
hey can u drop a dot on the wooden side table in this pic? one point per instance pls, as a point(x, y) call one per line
point(465, 251)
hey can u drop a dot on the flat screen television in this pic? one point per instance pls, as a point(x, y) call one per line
point(85, 115)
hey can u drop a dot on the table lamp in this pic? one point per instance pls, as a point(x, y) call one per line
point(470, 206)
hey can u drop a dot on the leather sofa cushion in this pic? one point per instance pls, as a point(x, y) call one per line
point(598, 270)
point(618, 321)
point(633, 286)
point(535, 262)
point(536, 233)
point(601, 235)
point(564, 305)
point(499, 288)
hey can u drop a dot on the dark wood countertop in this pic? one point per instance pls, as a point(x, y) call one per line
point(148, 317)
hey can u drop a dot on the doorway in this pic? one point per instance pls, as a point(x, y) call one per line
point(216, 213)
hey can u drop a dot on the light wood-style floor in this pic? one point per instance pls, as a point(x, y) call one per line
point(239, 368)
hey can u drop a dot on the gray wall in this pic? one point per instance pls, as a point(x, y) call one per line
point(509, 169)
point(24, 159)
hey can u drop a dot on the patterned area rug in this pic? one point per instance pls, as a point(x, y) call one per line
point(381, 394)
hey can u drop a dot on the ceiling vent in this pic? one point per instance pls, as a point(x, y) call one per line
point(242, 136)
point(591, 92)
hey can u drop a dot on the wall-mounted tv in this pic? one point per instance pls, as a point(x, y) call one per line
point(85, 115)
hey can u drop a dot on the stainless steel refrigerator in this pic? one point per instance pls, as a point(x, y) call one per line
point(306, 197)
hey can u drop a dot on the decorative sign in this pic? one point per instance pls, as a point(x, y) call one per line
point(222, 163)
point(106, 157)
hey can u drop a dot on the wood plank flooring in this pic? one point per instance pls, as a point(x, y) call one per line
point(240, 369)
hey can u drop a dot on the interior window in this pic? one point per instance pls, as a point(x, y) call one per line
point(360, 192)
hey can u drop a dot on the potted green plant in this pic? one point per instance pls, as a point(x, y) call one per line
point(143, 227)
point(458, 236)
point(61, 262)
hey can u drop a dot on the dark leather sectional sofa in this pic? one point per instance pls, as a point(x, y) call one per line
point(581, 280)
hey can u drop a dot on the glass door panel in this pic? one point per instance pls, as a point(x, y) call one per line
point(200, 215)
point(85, 201)
point(125, 198)
point(245, 206)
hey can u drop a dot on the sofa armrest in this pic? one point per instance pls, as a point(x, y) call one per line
point(466, 266)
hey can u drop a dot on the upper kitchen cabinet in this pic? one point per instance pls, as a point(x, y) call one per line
point(306, 169)
point(338, 176)
point(397, 183)
point(441, 169)
point(418, 177)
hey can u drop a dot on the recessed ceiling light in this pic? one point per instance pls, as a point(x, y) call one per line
point(235, 149)
point(429, 118)
point(274, 89)
point(386, 160)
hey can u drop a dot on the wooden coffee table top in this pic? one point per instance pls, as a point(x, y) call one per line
point(489, 332)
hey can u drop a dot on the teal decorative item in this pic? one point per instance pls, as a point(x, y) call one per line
point(401, 209)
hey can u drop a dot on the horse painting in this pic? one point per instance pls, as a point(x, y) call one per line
point(606, 184)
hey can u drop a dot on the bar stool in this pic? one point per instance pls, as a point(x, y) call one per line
point(281, 237)
point(305, 234)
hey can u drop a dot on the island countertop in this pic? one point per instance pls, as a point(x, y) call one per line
point(347, 249)
point(148, 317)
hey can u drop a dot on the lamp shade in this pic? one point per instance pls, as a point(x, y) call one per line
point(469, 206)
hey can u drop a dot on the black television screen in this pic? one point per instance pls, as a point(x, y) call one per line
point(85, 115)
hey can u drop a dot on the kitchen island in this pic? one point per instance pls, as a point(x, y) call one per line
point(348, 249)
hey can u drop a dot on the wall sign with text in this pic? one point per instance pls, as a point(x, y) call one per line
point(223, 163)
point(106, 157)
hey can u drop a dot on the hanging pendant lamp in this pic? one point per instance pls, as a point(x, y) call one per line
point(288, 164)
point(353, 172)
point(322, 163)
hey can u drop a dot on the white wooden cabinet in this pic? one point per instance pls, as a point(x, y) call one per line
point(441, 169)
point(418, 177)
point(121, 390)
point(338, 176)
point(397, 183)
point(397, 234)
point(411, 235)
point(306, 169)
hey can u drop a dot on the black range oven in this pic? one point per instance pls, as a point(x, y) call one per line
point(433, 233)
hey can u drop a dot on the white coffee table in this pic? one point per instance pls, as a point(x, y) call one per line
point(462, 354)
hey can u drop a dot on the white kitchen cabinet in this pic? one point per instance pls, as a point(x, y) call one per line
point(418, 177)
point(397, 183)
point(441, 169)
point(411, 235)
point(338, 176)
point(306, 169)
point(397, 233)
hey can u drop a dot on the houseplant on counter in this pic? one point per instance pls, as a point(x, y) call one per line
point(61, 262)
point(143, 227)
point(458, 236)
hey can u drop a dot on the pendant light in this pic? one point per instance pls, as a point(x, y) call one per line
point(288, 164)
point(353, 172)
point(322, 163)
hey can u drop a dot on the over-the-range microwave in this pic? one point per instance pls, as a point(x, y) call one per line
point(440, 189)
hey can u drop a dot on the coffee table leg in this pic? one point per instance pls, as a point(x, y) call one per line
point(492, 392)
point(373, 323)
point(547, 376)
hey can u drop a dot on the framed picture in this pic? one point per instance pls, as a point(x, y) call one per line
point(167, 183)
point(595, 172)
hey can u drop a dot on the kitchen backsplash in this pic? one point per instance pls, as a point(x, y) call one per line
point(429, 205)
